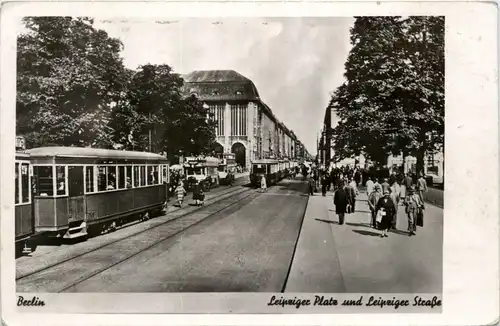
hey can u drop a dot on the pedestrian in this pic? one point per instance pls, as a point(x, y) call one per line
point(394, 194)
point(196, 191)
point(373, 199)
point(413, 206)
point(201, 193)
point(312, 185)
point(385, 210)
point(421, 188)
point(263, 184)
point(340, 200)
point(408, 181)
point(385, 186)
point(357, 177)
point(180, 193)
point(376, 183)
point(324, 184)
point(354, 193)
point(370, 186)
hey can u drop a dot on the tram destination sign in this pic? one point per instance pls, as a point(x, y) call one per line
point(20, 143)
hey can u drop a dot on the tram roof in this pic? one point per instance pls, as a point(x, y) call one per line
point(85, 152)
point(22, 155)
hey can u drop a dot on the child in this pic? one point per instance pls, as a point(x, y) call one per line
point(180, 193)
point(201, 195)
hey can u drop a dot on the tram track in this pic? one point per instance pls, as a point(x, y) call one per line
point(66, 274)
point(155, 223)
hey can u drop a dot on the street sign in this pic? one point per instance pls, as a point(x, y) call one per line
point(20, 143)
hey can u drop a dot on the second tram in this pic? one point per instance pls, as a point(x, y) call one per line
point(267, 168)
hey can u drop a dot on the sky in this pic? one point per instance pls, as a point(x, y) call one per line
point(295, 63)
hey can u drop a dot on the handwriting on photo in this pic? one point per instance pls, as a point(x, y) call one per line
point(372, 301)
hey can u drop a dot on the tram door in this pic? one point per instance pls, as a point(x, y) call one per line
point(76, 203)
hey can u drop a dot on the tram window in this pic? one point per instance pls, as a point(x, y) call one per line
point(129, 176)
point(111, 178)
point(259, 168)
point(121, 177)
point(143, 175)
point(136, 176)
point(156, 179)
point(25, 183)
point(165, 173)
point(149, 170)
point(44, 180)
point(61, 180)
point(101, 178)
point(89, 179)
point(17, 183)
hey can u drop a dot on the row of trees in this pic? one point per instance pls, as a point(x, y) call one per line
point(392, 101)
point(74, 90)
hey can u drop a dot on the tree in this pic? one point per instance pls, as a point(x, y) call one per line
point(393, 99)
point(154, 106)
point(69, 77)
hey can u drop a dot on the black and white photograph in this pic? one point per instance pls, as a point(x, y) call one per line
point(298, 157)
point(305, 167)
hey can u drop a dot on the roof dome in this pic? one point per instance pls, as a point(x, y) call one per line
point(221, 85)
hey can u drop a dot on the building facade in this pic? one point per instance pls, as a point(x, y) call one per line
point(246, 126)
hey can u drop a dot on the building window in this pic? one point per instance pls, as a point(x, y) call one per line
point(239, 120)
point(218, 113)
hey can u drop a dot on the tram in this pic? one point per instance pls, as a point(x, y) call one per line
point(24, 218)
point(268, 168)
point(84, 191)
point(197, 169)
point(227, 168)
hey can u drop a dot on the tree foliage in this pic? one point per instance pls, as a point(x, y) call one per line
point(69, 76)
point(74, 90)
point(154, 105)
point(393, 99)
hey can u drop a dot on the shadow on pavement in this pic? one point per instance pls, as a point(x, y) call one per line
point(367, 225)
point(326, 221)
point(369, 233)
point(399, 232)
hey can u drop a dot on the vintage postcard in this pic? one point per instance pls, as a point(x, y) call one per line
point(332, 163)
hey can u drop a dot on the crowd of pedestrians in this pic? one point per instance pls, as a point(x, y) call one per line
point(385, 196)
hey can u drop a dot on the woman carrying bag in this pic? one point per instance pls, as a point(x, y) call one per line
point(385, 212)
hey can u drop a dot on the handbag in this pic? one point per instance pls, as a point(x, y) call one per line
point(420, 217)
point(380, 214)
point(348, 208)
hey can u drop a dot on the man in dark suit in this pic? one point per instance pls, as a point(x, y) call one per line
point(351, 196)
point(340, 200)
point(408, 182)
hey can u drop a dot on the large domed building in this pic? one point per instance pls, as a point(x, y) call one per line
point(246, 126)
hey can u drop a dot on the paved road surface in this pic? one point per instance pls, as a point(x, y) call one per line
point(248, 247)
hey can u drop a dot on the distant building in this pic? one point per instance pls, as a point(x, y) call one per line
point(246, 126)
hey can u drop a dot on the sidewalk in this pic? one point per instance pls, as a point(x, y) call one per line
point(353, 257)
